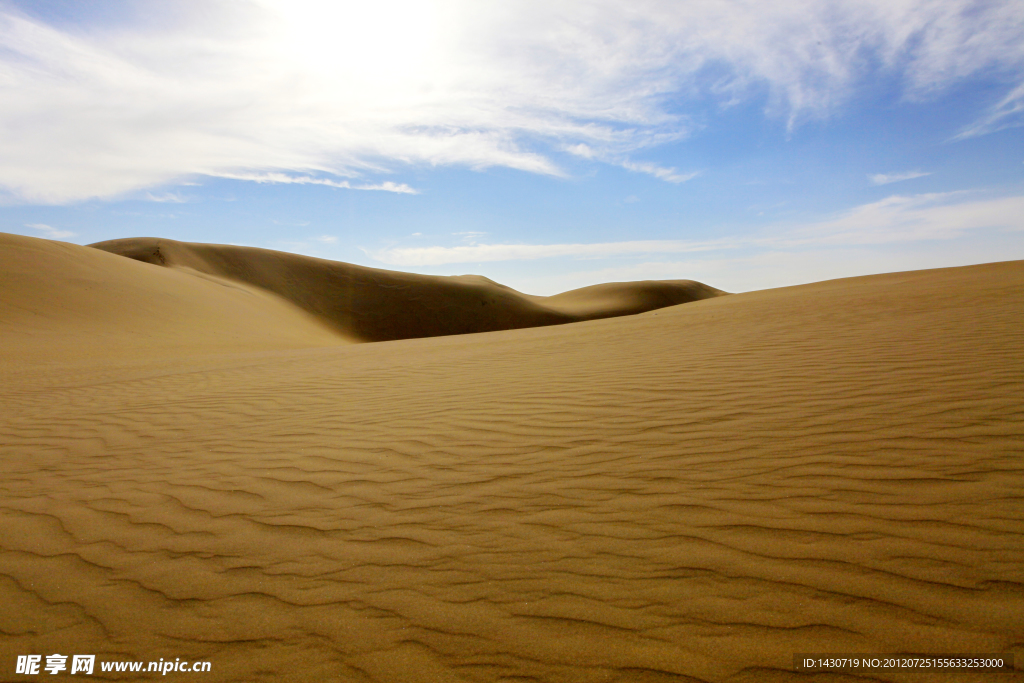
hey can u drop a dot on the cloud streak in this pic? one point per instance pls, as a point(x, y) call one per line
point(886, 178)
point(261, 88)
point(892, 220)
point(476, 253)
point(669, 175)
point(1007, 113)
point(166, 198)
point(50, 232)
point(283, 178)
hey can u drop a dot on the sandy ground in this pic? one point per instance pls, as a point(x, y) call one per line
point(694, 493)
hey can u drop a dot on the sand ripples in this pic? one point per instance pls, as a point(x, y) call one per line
point(694, 494)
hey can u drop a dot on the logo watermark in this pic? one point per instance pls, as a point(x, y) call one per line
point(32, 665)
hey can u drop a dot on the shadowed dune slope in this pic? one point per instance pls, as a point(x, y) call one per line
point(692, 494)
point(59, 299)
point(381, 305)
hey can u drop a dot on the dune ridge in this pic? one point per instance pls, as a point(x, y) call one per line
point(691, 494)
point(370, 304)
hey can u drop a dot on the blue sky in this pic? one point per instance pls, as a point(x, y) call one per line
point(546, 145)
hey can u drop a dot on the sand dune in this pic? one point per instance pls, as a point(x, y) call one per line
point(691, 494)
point(369, 304)
point(60, 301)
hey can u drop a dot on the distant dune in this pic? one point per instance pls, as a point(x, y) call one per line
point(193, 467)
point(368, 304)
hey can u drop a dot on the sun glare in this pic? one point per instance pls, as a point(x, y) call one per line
point(380, 44)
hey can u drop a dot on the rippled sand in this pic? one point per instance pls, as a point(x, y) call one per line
point(695, 493)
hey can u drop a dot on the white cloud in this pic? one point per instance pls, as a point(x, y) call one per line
point(349, 89)
point(166, 197)
point(388, 186)
point(581, 150)
point(50, 232)
point(1007, 113)
point(668, 174)
point(660, 172)
point(326, 239)
point(469, 236)
point(477, 253)
point(892, 220)
point(886, 178)
point(937, 216)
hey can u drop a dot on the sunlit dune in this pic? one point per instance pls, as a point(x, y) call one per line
point(198, 462)
point(62, 301)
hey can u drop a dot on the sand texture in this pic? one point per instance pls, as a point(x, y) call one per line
point(690, 494)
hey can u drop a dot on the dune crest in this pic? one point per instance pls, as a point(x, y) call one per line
point(370, 304)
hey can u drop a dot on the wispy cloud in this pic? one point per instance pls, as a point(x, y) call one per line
point(166, 197)
point(935, 216)
point(1007, 113)
point(477, 253)
point(400, 188)
point(613, 156)
point(660, 172)
point(469, 236)
point(349, 89)
point(388, 186)
point(894, 219)
point(50, 232)
point(886, 178)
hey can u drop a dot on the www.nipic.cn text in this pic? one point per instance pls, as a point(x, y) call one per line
point(86, 664)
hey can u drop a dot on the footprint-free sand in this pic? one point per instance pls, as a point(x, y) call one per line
point(198, 460)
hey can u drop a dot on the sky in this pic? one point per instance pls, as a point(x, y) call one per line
point(547, 145)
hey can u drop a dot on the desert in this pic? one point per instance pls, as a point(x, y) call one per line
point(297, 469)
